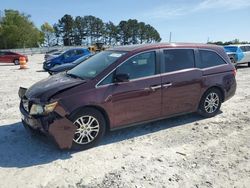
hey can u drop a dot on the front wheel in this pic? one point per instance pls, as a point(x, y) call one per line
point(90, 128)
point(210, 103)
point(16, 62)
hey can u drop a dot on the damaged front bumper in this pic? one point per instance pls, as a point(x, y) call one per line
point(55, 124)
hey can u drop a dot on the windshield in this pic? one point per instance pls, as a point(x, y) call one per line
point(93, 66)
point(230, 48)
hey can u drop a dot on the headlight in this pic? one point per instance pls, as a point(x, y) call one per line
point(37, 109)
point(50, 107)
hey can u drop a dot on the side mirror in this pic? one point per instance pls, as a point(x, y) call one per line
point(121, 78)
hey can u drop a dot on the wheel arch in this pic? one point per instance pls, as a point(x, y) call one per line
point(216, 87)
point(98, 108)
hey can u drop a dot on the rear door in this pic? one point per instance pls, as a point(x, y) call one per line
point(181, 81)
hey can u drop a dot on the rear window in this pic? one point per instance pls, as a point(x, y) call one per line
point(209, 59)
point(178, 59)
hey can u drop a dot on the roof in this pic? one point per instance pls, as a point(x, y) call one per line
point(238, 45)
point(161, 45)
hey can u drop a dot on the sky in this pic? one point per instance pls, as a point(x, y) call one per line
point(187, 20)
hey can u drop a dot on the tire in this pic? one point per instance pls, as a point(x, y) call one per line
point(16, 62)
point(208, 108)
point(84, 138)
point(233, 62)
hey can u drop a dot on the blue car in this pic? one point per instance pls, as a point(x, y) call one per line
point(66, 57)
point(238, 53)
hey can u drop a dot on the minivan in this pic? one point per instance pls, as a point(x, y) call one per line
point(125, 86)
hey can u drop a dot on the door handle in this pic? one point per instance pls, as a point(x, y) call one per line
point(167, 85)
point(153, 88)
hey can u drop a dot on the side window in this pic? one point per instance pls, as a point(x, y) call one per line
point(108, 79)
point(79, 52)
point(178, 59)
point(9, 53)
point(139, 66)
point(209, 59)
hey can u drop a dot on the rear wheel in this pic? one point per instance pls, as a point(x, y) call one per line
point(233, 62)
point(16, 62)
point(90, 128)
point(210, 103)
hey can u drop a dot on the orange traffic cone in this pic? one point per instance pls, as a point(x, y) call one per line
point(23, 63)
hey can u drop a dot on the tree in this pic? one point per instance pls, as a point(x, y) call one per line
point(133, 31)
point(66, 25)
point(80, 27)
point(110, 33)
point(17, 31)
point(123, 32)
point(57, 34)
point(49, 34)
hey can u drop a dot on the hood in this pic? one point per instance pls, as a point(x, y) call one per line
point(43, 90)
point(63, 67)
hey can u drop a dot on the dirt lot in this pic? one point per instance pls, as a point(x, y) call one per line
point(186, 151)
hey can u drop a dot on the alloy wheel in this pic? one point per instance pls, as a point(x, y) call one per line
point(87, 129)
point(211, 103)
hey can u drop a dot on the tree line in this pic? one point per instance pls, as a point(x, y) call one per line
point(90, 29)
point(235, 41)
point(18, 31)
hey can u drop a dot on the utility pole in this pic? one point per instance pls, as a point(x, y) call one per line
point(208, 40)
point(170, 37)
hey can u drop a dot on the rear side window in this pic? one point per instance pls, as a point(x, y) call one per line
point(209, 59)
point(178, 59)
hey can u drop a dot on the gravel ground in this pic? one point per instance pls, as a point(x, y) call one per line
point(186, 151)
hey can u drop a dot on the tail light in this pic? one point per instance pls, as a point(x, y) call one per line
point(234, 72)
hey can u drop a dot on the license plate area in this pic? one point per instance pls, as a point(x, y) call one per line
point(30, 121)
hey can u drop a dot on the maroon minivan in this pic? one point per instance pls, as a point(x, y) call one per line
point(128, 85)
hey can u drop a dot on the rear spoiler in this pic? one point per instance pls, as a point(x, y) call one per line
point(22, 92)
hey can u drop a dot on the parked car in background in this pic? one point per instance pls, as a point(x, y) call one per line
point(128, 85)
point(52, 53)
point(68, 66)
point(238, 53)
point(11, 57)
point(66, 57)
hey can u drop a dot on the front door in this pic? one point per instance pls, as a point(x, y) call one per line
point(181, 82)
point(138, 99)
